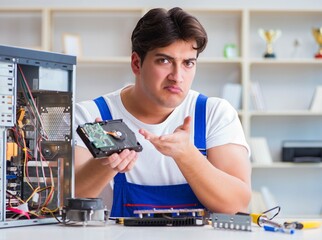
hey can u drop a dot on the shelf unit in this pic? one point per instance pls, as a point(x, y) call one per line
point(287, 82)
point(22, 27)
point(101, 31)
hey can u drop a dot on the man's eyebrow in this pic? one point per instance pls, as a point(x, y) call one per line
point(172, 58)
point(164, 55)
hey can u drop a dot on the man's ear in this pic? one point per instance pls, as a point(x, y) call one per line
point(135, 63)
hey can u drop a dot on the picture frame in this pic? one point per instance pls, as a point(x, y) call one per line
point(72, 44)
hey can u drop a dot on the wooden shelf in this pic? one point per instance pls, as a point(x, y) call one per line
point(287, 165)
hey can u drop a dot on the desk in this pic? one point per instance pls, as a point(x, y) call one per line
point(112, 231)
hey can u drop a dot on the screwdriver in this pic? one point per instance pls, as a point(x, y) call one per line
point(260, 219)
point(302, 224)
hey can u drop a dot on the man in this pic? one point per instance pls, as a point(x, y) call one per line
point(160, 109)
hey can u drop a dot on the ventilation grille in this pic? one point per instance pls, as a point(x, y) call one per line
point(57, 123)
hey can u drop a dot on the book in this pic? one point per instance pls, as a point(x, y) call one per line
point(316, 104)
point(257, 96)
point(260, 151)
point(232, 92)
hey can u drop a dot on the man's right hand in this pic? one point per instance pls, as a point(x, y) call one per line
point(121, 162)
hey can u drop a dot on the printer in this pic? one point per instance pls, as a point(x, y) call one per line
point(302, 151)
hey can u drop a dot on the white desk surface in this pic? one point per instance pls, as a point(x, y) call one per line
point(112, 231)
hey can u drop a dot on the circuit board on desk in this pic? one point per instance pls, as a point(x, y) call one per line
point(166, 217)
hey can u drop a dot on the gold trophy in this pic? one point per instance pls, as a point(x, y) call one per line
point(317, 33)
point(269, 37)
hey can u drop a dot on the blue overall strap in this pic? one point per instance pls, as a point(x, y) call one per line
point(106, 115)
point(200, 124)
point(103, 108)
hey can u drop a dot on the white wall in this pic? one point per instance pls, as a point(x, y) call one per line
point(271, 4)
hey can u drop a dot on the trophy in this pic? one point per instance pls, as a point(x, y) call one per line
point(269, 37)
point(317, 33)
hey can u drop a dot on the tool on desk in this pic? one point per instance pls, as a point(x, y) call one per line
point(302, 224)
point(278, 229)
point(262, 218)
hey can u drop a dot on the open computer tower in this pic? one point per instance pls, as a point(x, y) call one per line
point(37, 139)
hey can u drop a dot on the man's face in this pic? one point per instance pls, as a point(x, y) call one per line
point(166, 74)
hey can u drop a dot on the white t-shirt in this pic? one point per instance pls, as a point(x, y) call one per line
point(152, 168)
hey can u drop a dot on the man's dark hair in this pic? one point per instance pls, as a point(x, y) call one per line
point(160, 28)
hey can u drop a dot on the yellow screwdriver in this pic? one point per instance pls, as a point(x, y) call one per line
point(302, 224)
point(260, 219)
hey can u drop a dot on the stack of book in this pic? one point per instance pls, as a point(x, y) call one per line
point(260, 152)
point(257, 96)
point(232, 92)
point(316, 104)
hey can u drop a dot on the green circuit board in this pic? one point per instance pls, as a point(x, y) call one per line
point(98, 136)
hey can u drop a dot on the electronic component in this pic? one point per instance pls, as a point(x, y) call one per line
point(241, 222)
point(36, 128)
point(12, 150)
point(166, 217)
point(84, 210)
point(108, 137)
point(162, 221)
point(7, 93)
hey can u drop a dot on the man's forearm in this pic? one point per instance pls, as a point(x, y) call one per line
point(92, 177)
point(217, 190)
